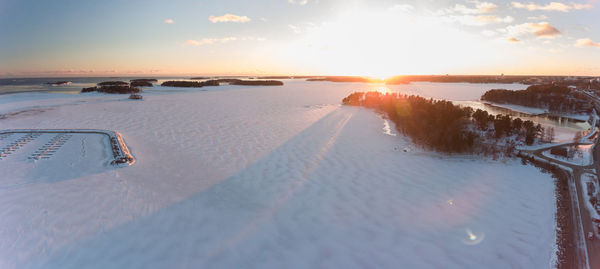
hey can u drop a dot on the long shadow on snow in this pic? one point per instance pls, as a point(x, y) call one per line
point(201, 228)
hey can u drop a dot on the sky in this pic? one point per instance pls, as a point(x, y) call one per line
point(377, 38)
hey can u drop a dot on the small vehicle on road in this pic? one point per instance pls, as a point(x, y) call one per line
point(591, 236)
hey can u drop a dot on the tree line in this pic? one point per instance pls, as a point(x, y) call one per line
point(555, 98)
point(439, 124)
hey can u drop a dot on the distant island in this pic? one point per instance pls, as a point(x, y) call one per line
point(554, 98)
point(584, 82)
point(112, 87)
point(461, 79)
point(345, 79)
point(143, 82)
point(59, 83)
point(255, 82)
point(113, 83)
point(189, 84)
point(217, 82)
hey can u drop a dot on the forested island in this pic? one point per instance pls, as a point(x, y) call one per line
point(345, 79)
point(59, 83)
point(426, 78)
point(142, 82)
point(217, 82)
point(442, 126)
point(189, 84)
point(113, 83)
point(555, 98)
point(255, 82)
point(459, 79)
point(114, 89)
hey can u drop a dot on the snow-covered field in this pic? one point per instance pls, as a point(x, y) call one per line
point(259, 177)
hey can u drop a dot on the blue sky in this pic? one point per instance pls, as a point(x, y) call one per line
point(263, 37)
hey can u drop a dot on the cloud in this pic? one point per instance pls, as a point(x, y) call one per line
point(495, 19)
point(586, 42)
point(209, 41)
point(544, 30)
point(553, 6)
point(298, 2)
point(538, 18)
point(488, 33)
point(513, 40)
point(301, 28)
point(402, 8)
point(478, 14)
point(169, 21)
point(540, 30)
point(295, 29)
point(480, 8)
point(228, 18)
point(480, 20)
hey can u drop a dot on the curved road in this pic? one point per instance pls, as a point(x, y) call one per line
point(588, 251)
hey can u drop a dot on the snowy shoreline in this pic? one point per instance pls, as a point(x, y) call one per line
point(536, 111)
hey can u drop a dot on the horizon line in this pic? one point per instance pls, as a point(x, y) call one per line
point(282, 75)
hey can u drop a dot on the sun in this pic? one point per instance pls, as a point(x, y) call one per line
point(381, 89)
point(378, 43)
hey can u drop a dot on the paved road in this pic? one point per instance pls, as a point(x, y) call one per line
point(588, 251)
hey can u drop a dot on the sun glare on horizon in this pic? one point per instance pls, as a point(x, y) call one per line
point(385, 43)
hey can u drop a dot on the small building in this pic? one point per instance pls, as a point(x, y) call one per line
point(559, 152)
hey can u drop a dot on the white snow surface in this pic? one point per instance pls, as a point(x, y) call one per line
point(259, 177)
point(582, 157)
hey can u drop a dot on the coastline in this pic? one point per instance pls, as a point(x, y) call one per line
point(535, 111)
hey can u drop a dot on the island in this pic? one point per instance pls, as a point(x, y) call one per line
point(217, 82)
point(189, 84)
point(458, 79)
point(253, 82)
point(442, 126)
point(59, 83)
point(113, 83)
point(552, 97)
point(113, 89)
point(346, 79)
point(142, 82)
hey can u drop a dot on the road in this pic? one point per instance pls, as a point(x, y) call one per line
point(587, 251)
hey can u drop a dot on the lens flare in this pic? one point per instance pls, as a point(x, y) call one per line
point(473, 239)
